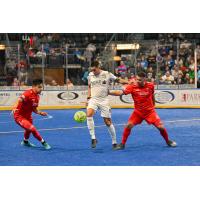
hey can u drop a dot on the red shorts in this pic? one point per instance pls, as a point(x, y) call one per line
point(24, 122)
point(150, 117)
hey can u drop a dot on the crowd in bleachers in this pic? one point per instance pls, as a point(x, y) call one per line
point(164, 64)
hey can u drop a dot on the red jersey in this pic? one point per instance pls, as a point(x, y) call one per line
point(29, 104)
point(142, 96)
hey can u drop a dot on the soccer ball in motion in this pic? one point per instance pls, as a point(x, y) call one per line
point(80, 116)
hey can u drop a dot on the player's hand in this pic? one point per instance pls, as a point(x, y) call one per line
point(43, 113)
point(131, 81)
point(13, 111)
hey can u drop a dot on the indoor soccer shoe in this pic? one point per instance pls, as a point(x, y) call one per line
point(119, 147)
point(46, 145)
point(94, 143)
point(171, 143)
point(27, 144)
point(114, 146)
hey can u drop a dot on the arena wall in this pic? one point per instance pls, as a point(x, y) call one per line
point(77, 99)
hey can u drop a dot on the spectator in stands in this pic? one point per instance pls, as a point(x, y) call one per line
point(175, 73)
point(170, 62)
point(54, 83)
point(186, 79)
point(22, 83)
point(121, 70)
point(191, 66)
point(183, 68)
point(23, 74)
point(85, 77)
point(128, 62)
point(198, 73)
point(15, 82)
point(167, 78)
point(77, 56)
point(86, 41)
point(144, 63)
point(180, 79)
point(88, 56)
point(150, 74)
point(198, 77)
point(46, 48)
point(69, 84)
point(192, 75)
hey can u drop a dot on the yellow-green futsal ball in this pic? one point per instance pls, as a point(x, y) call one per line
point(80, 116)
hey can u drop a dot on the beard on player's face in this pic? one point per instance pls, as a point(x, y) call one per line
point(141, 81)
point(38, 89)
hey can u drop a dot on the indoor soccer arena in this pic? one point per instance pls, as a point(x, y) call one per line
point(57, 77)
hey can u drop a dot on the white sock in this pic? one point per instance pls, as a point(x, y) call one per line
point(112, 132)
point(42, 140)
point(90, 124)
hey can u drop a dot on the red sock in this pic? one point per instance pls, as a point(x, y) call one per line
point(126, 133)
point(27, 134)
point(36, 133)
point(165, 135)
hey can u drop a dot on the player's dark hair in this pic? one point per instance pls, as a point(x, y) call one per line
point(95, 63)
point(141, 74)
point(37, 82)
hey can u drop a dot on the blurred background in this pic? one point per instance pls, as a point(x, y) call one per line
point(62, 60)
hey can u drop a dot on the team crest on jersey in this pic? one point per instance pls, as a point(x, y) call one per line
point(103, 76)
point(144, 93)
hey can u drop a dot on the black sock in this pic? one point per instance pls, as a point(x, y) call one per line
point(26, 141)
point(43, 142)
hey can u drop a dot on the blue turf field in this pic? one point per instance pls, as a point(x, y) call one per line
point(71, 145)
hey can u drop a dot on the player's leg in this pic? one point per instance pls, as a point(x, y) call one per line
point(134, 119)
point(27, 132)
point(111, 130)
point(29, 127)
point(105, 109)
point(22, 122)
point(27, 135)
point(26, 142)
point(154, 119)
point(90, 122)
point(164, 134)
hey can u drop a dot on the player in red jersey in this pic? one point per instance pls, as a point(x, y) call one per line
point(22, 111)
point(143, 95)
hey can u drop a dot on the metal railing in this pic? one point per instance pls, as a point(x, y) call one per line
point(72, 63)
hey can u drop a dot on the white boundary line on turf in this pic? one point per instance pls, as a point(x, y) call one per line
point(99, 126)
point(48, 117)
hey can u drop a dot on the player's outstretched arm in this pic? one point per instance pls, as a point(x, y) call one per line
point(17, 105)
point(121, 81)
point(40, 112)
point(116, 92)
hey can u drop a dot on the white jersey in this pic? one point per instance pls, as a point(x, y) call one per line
point(100, 84)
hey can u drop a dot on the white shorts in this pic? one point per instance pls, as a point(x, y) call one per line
point(102, 105)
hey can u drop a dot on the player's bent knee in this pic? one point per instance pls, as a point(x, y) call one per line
point(32, 128)
point(129, 126)
point(90, 113)
point(108, 122)
point(160, 127)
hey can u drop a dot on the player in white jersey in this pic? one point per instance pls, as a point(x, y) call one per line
point(98, 88)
